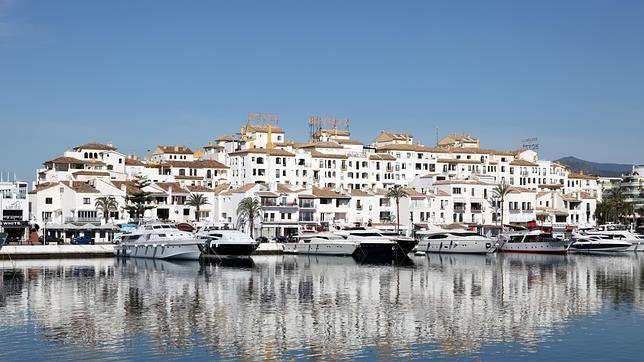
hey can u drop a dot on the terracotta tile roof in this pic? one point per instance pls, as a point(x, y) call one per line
point(453, 138)
point(329, 144)
point(183, 150)
point(263, 128)
point(90, 173)
point(358, 193)
point(129, 161)
point(80, 187)
point(221, 188)
point(543, 193)
point(415, 195)
point(430, 175)
point(266, 194)
point(96, 146)
point(580, 176)
point(199, 188)
point(130, 186)
point(404, 147)
point(520, 162)
point(45, 185)
point(197, 164)
point(472, 150)
point(458, 160)
point(382, 157)
point(175, 187)
point(285, 189)
point(317, 154)
point(441, 193)
point(551, 186)
point(264, 151)
point(211, 145)
point(224, 139)
point(328, 193)
point(385, 136)
point(570, 198)
point(518, 190)
point(243, 188)
point(72, 160)
point(344, 141)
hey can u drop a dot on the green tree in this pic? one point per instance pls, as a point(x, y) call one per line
point(397, 193)
point(197, 200)
point(106, 204)
point(248, 210)
point(499, 192)
point(139, 200)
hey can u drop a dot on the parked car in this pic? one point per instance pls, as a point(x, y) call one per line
point(262, 239)
point(281, 239)
point(83, 240)
point(51, 239)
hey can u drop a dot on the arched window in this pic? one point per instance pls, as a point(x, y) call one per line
point(95, 155)
point(85, 154)
point(182, 172)
point(208, 174)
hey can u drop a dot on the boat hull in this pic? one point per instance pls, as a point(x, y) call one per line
point(456, 246)
point(163, 252)
point(220, 250)
point(338, 249)
point(546, 247)
point(378, 251)
point(406, 245)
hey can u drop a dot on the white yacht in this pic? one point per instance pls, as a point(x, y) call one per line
point(405, 243)
point(532, 241)
point(619, 232)
point(160, 241)
point(459, 242)
point(372, 245)
point(598, 244)
point(324, 243)
point(225, 242)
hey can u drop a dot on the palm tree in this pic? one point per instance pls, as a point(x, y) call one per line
point(248, 210)
point(106, 204)
point(197, 200)
point(499, 192)
point(396, 193)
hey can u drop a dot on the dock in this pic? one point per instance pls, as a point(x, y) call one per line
point(56, 251)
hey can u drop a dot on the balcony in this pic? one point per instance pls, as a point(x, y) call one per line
point(459, 209)
point(82, 220)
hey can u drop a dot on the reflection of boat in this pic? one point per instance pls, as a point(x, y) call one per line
point(532, 241)
point(321, 244)
point(226, 243)
point(460, 242)
point(159, 241)
point(599, 244)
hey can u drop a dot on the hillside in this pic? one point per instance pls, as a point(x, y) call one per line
point(595, 168)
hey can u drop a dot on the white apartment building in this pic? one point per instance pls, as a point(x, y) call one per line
point(14, 210)
point(330, 180)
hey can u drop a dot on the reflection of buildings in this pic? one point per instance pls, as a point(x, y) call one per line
point(329, 306)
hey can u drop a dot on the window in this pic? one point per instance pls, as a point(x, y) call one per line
point(186, 212)
point(49, 201)
point(86, 201)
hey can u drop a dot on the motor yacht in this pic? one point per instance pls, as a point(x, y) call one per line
point(159, 241)
point(372, 245)
point(532, 241)
point(619, 232)
point(598, 244)
point(460, 242)
point(324, 243)
point(225, 242)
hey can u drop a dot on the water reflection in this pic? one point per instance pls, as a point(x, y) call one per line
point(303, 306)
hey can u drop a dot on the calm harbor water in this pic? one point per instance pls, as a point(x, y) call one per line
point(497, 307)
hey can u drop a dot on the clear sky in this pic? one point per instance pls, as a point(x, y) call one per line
point(140, 73)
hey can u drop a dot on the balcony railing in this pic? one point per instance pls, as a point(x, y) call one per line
point(82, 219)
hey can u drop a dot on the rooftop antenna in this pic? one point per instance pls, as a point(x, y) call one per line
point(531, 143)
point(436, 136)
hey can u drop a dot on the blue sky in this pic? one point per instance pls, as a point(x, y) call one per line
point(141, 73)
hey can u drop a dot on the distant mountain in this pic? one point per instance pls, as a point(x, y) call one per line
point(595, 168)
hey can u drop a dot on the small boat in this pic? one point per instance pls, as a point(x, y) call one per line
point(598, 244)
point(324, 243)
point(532, 241)
point(226, 243)
point(159, 241)
point(457, 242)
